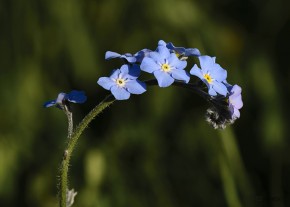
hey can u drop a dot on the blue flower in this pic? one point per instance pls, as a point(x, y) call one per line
point(123, 82)
point(63, 99)
point(235, 101)
point(165, 66)
point(212, 74)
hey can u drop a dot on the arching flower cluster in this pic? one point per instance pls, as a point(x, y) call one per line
point(168, 66)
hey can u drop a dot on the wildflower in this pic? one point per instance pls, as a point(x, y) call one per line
point(235, 101)
point(63, 99)
point(212, 74)
point(165, 66)
point(123, 82)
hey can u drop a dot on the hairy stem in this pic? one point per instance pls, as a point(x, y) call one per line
point(70, 122)
point(74, 135)
point(72, 142)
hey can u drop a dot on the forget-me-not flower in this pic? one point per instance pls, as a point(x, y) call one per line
point(165, 66)
point(123, 82)
point(235, 101)
point(212, 74)
point(63, 99)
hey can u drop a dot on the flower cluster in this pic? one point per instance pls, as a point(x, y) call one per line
point(167, 64)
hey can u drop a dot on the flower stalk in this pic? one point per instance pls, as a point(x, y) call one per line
point(68, 113)
point(72, 143)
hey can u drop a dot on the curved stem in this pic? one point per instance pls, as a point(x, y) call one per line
point(74, 136)
point(71, 145)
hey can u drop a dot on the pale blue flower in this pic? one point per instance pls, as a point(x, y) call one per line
point(165, 66)
point(212, 74)
point(235, 101)
point(123, 82)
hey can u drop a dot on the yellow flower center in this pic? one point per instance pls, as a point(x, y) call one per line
point(120, 82)
point(207, 78)
point(165, 67)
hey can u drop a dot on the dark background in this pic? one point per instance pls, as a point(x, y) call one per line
point(155, 149)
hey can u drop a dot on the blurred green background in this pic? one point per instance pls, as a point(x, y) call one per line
point(155, 149)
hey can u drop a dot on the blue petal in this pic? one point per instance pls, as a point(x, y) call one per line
point(141, 54)
point(218, 73)
point(134, 71)
point(192, 52)
point(76, 96)
point(211, 91)
point(183, 51)
point(206, 62)
point(115, 74)
point(237, 102)
point(163, 78)
point(176, 63)
point(136, 87)
point(179, 64)
point(180, 75)
point(60, 98)
point(49, 103)
point(149, 65)
point(220, 88)
point(197, 72)
point(124, 69)
point(235, 98)
point(173, 60)
point(164, 52)
point(106, 83)
point(179, 50)
point(157, 57)
point(161, 43)
point(236, 113)
point(130, 59)
point(109, 55)
point(120, 93)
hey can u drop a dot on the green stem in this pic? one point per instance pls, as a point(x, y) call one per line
point(74, 136)
point(72, 142)
point(70, 122)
